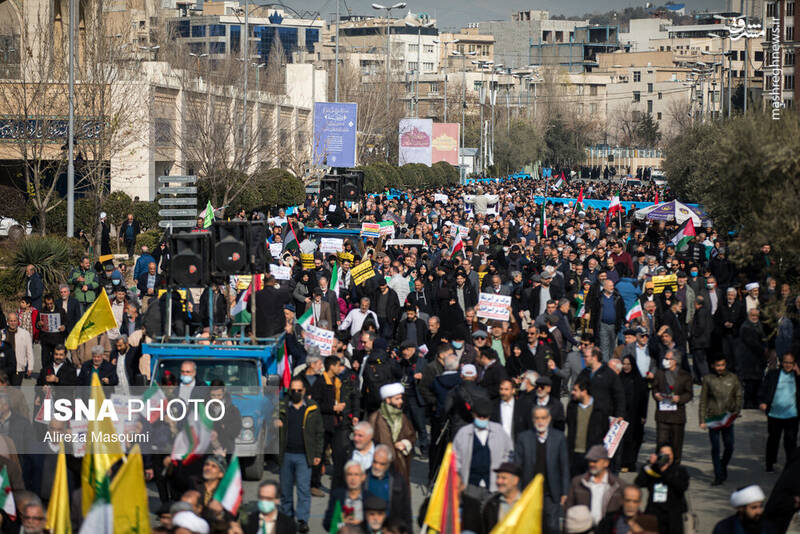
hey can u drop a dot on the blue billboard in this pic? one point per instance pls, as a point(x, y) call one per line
point(335, 125)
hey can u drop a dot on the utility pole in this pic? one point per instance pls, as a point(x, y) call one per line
point(336, 58)
point(420, 23)
point(388, 9)
point(246, 63)
point(71, 127)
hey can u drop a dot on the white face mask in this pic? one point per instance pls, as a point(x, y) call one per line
point(666, 364)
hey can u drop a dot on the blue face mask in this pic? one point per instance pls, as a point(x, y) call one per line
point(457, 344)
point(694, 275)
point(186, 379)
point(266, 507)
point(481, 423)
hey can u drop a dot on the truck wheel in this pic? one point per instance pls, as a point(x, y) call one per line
point(16, 233)
point(253, 467)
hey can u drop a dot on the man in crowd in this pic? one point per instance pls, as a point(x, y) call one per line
point(749, 505)
point(720, 404)
point(84, 282)
point(779, 399)
point(667, 484)
point(598, 488)
point(672, 390)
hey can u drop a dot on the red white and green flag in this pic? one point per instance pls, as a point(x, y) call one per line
point(284, 367)
point(685, 233)
point(579, 203)
point(720, 421)
point(289, 238)
point(194, 440)
point(229, 491)
point(613, 208)
point(334, 283)
point(6, 495)
point(544, 220)
point(336, 520)
point(155, 401)
point(634, 312)
point(307, 318)
point(457, 247)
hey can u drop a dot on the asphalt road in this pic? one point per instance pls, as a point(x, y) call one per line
point(709, 503)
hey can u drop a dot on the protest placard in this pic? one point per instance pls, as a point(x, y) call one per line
point(307, 260)
point(491, 306)
point(661, 282)
point(438, 197)
point(387, 228)
point(275, 249)
point(319, 337)
point(370, 229)
point(52, 321)
point(362, 272)
point(614, 436)
point(280, 272)
point(331, 245)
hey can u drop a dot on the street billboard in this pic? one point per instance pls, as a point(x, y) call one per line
point(335, 126)
point(445, 142)
point(415, 141)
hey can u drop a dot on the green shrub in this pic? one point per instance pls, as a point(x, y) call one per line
point(147, 215)
point(374, 181)
point(51, 255)
point(280, 188)
point(10, 284)
point(150, 239)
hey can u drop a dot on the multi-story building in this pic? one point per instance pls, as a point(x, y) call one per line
point(641, 32)
point(469, 46)
point(515, 38)
point(579, 54)
point(782, 17)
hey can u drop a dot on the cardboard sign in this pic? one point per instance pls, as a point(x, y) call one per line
point(457, 229)
point(275, 249)
point(491, 306)
point(660, 282)
point(370, 229)
point(52, 321)
point(280, 272)
point(345, 256)
point(307, 260)
point(387, 228)
point(319, 337)
point(614, 436)
point(362, 272)
point(438, 197)
point(331, 245)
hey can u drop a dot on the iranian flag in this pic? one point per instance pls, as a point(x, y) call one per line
point(334, 283)
point(284, 367)
point(685, 233)
point(100, 518)
point(579, 203)
point(720, 421)
point(457, 247)
point(193, 441)
point(6, 496)
point(307, 318)
point(633, 312)
point(614, 208)
point(155, 401)
point(229, 491)
point(544, 220)
point(289, 238)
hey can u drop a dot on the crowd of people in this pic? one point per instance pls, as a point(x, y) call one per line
point(608, 321)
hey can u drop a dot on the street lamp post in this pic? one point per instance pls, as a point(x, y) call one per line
point(388, 9)
point(419, 24)
point(482, 66)
point(336, 57)
point(71, 128)
point(463, 56)
point(444, 68)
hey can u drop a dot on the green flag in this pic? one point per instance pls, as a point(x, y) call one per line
point(336, 521)
point(208, 217)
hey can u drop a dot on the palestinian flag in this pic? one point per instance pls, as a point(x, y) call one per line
point(457, 247)
point(720, 421)
point(685, 233)
point(241, 304)
point(229, 491)
point(560, 182)
point(579, 203)
point(154, 399)
point(334, 282)
point(193, 441)
point(336, 520)
point(543, 231)
point(289, 238)
point(581, 309)
point(6, 496)
point(613, 208)
point(307, 318)
point(634, 311)
point(284, 367)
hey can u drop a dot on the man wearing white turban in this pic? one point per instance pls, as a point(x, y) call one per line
point(393, 428)
point(749, 504)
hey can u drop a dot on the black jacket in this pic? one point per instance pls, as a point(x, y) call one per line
point(669, 513)
point(338, 494)
point(106, 370)
point(492, 376)
point(8, 358)
point(607, 390)
point(520, 417)
point(770, 385)
point(269, 302)
point(729, 313)
point(73, 312)
point(556, 454)
point(402, 331)
point(283, 524)
point(66, 375)
point(598, 425)
point(131, 362)
point(596, 312)
point(123, 229)
point(556, 292)
point(701, 328)
point(123, 327)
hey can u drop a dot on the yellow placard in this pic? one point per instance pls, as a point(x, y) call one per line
point(660, 282)
point(345, 256)
point(362, 272)
point(307, 260)
point(481, 276)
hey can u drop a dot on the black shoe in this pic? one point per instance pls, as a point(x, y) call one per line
point(717, 482)
point(302, 526)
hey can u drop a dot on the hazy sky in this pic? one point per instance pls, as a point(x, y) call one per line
point(453, 13)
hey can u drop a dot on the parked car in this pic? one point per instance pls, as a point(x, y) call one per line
point(14, 230)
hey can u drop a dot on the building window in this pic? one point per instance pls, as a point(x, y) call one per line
point(771, 9)
point(788, 103)
point(593, 108)
point(649, 87)
point(660, 95)
point(197, 48)
point(789, 9)
point(759, 56)
point(658, 116)
point(163, 131)
point(428, 49)
point(412, 65)
point(216, 48)
point(412, 48)
point(790, 33)
point(216, 30)
point(649, 106)
point(427, 67)
point(788, 81)
point(592, 90)
point(637, 97)
point(236, 38)
point(198, 31)
point(637, 76)
point(788, 59)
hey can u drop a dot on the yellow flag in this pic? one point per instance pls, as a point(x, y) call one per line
point(58, 519)
point(100, 454)
point(97, 320)
point(442, 514)
point(525, 517)
point(129, 496)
